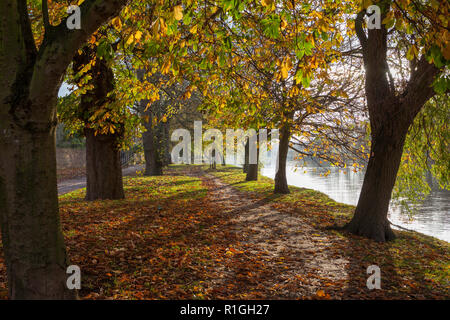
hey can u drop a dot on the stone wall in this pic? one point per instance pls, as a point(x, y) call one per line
point(70, 158)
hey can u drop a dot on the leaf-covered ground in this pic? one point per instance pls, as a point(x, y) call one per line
point(200, 234)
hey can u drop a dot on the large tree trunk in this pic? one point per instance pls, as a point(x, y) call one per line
point(281, 185)
point(103, 167)
point(33, 244)
point(370, 218)
point(391, 113)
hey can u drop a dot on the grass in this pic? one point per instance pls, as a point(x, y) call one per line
point(264, 188)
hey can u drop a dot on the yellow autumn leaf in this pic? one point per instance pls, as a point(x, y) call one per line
point(117, 24)
point(138, 35)
point(412, 53)
point(130, 40)
point(178, 12)
point(163, 26)
point(283, 24)
point(266, 3)
point(166, 67)
point(286, 66)
point(193, 30)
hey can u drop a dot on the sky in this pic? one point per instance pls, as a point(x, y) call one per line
point(64, 90)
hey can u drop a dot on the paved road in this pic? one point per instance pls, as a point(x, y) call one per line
point(79, 183)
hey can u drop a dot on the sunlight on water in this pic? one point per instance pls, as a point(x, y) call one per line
point(433, 216)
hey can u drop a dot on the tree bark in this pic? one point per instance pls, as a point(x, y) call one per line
point(246, 156)
point(252, 169)
point(33, 245)
point(281, 185)
point(153, 149)
point(391, 113)
point(167, 155)
point(103, 167)
point(370, 217)
point(252, 172)
point(212, 163)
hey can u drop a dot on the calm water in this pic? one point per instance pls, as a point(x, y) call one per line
point(433, 217)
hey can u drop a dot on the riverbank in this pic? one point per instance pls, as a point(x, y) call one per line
point(344, 185)
point(200, 234)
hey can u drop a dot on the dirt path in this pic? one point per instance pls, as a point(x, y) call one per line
point(70, 185)
point(291, 256)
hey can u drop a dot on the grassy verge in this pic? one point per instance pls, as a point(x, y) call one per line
point(301, 197)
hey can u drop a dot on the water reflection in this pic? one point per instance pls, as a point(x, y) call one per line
point(344, 186)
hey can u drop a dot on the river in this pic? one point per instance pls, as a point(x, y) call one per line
point(432, 218)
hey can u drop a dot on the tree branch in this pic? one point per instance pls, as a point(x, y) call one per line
point(360, 31)
point(45, 15)
point(420, 89)
point(60, 45)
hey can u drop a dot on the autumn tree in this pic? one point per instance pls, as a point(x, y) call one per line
point(271, 65)
point(102, 118)
point(31, 75)
point(421, 30)
point(156, 116)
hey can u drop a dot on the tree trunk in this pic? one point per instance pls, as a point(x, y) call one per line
point(33, 243)
point(252, 170)
point(166, 143)
point(246, 156)
point(153, 151)
point(391, 113)
point(281, 185)
point(370, 218)
point(32, 240)
point(103, 167)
